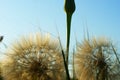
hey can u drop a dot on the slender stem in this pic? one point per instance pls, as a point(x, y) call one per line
point(69, 16)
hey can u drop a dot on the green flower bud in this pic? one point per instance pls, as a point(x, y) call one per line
point(69, 6)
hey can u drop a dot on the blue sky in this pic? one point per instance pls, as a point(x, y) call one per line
point(21, 17)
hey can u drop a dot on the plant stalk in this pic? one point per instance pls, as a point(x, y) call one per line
point(69, 17)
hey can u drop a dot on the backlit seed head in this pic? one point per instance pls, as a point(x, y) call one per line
point(36, 57)
point(95, 60)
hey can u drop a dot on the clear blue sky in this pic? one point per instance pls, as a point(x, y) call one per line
point(21, 17)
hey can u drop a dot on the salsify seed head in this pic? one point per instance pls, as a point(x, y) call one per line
point(34, 57)
point(95, 60)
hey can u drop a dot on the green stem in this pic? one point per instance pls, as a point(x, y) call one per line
point(69, 16)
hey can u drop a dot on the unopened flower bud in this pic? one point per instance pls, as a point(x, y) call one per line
point(69, 6)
